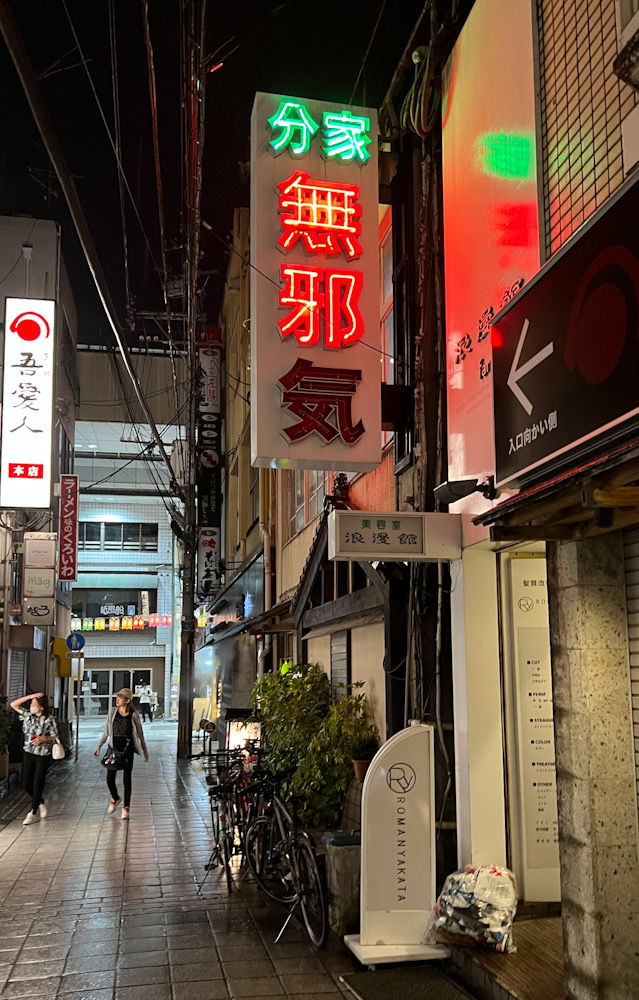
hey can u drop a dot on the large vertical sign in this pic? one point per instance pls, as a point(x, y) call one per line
point(535, 832)
point(491, 230)
point(27, 403)
point(69, 507)
point(315, 361)
point(209, 459)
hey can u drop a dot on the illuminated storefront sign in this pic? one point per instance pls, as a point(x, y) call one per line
point(27, 403)
point(315, 371)
point(69, 507)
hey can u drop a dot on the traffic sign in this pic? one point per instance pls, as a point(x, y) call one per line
point(565, 350)
point(75, 642)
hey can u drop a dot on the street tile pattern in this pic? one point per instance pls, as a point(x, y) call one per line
point(93, 908)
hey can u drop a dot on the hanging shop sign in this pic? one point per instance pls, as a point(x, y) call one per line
point(39, 549)
point(27, 403)
point(38, 611)
point(69, 507)
point(209, 460)
point(565, 351)
point(393, 536)
point(315, 339)
point(208, 561)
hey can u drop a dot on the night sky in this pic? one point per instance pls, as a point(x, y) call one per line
point(295, 47)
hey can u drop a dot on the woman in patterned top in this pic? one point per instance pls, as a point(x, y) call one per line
point(40, 733)
point(123, 731)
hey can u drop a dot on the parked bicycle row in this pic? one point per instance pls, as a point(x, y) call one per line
point(255, 830)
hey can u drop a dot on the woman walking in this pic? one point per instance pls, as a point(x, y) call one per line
point(123, 731)
point(40, 733)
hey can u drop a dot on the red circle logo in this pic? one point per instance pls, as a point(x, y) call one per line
point(29, 326)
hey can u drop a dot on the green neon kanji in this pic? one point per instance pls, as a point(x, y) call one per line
point(346, 136)
point(291, 118)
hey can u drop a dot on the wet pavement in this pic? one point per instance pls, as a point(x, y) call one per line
point(96, 908)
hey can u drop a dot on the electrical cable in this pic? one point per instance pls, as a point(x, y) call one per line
point(108, 132)
point(367, 52)
point(118, 144)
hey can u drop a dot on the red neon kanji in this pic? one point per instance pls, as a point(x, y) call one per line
point(324, 215)
point(317, 395)
point(343, 325)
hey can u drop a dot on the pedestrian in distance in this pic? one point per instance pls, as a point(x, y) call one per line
point(40, 733)
point(145, 694)
point(123, 732)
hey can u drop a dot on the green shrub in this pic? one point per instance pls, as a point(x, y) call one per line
point(313, 739)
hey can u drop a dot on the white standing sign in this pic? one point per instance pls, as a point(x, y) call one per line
point(393, 535)
point(398, 852)
point(27, 403)
point(315, 325)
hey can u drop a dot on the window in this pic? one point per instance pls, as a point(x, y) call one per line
point(126, 537)
point(308, 490)
point(340, 664)
point(628, 9)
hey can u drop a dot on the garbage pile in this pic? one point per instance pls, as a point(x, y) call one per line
point(476, 906)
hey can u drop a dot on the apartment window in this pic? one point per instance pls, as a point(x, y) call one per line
point(628, 9)
point(308, 489)
point(95, 536)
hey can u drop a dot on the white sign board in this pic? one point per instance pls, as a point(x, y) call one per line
point(393, 536)
point(398, 872)
point(208, 560)
point(315, 323)
point(39, 583)
point(27, 403)
point(39, 549)
point(537, 834)
point(38, 611)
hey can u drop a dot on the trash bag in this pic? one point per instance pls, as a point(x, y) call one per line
point(476, 906)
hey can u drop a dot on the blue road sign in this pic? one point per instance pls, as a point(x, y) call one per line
point(75, 642)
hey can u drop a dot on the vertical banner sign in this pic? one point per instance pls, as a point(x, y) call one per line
point(27, 403)
point(315, 342)
point(38, 579)
point(209, 452)
point(69, 505)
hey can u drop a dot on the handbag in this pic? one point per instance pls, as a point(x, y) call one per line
point(114, 759)
point(57, 751)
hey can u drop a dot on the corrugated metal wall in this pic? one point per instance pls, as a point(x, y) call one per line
point(582, 107)
point(631, 552)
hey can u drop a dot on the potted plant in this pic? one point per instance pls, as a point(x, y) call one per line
point(6, 731)
point(363, 748)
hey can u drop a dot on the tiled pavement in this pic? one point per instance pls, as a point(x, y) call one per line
point(94, 908)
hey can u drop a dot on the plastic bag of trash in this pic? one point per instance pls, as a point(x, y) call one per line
point(476, 906)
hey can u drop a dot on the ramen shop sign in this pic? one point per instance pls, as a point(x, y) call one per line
point(27, 403)
point(315, 358)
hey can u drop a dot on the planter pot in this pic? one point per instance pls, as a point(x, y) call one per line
point(360, 767)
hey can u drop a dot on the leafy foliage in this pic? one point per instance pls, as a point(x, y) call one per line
point(10, 727)
point(313, 739)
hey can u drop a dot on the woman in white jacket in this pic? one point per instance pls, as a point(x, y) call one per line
point(123, 731)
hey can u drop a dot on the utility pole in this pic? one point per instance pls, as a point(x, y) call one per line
point(194, 13)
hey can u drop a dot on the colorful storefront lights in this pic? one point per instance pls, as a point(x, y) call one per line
point(115, 624)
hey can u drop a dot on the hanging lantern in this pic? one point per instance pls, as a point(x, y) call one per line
point(154, 621)
point(99, 624)
point(127, 623)
point(87, 624)
point(114, 624)
point(138, 621)
point(76, 624)
point(167, 620)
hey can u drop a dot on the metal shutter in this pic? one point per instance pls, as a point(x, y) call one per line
point(631, 553)
point(17, 680)
point(340, 663)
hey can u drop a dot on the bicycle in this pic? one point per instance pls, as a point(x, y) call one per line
point(282, 860)
point(222, 835)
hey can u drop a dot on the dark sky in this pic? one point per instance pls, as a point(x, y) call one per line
point(296, 47)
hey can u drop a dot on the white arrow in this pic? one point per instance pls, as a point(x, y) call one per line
point(517, 373)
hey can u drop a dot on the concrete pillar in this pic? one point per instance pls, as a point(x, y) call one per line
point(597, 798)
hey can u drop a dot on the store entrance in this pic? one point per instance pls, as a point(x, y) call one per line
point(99, 688)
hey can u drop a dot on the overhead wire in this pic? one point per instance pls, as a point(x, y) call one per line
point(118, 144)
point(368, 49)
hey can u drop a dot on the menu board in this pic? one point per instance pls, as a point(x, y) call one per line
point(535, 730)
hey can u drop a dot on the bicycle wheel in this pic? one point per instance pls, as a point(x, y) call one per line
point(267, 859)
point(313, 901)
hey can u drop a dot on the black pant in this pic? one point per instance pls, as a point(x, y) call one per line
point(126, 773)
point(144, 708)
point(34, 775)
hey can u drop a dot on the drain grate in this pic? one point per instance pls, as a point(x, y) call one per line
point(410, 983)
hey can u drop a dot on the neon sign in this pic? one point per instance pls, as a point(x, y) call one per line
point(325, 216)
point(343, 323)
point(345, 136)
point(297, 128)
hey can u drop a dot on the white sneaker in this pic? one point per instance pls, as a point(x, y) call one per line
point(113, 805)
point(125, 812)
point(30, 818)
point(44, 810)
